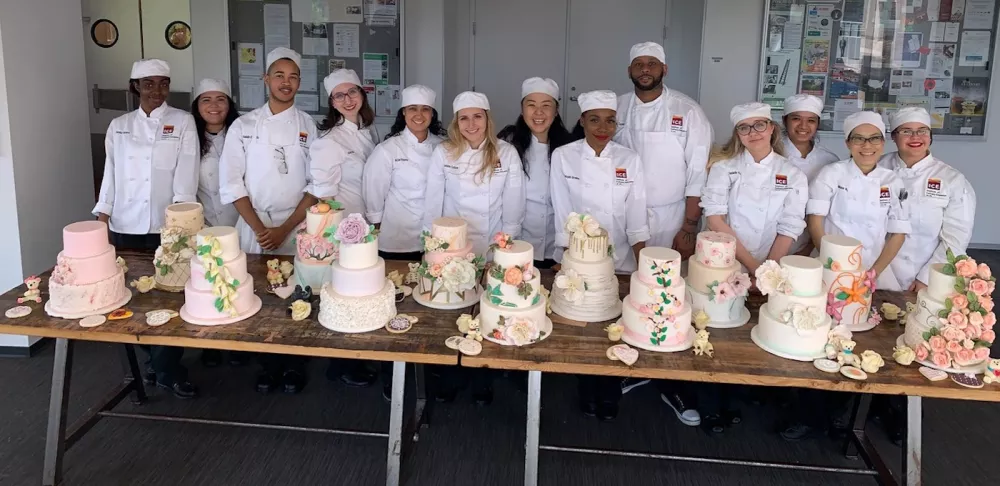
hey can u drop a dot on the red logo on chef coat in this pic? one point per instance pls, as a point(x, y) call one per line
point(884, 195)
point(168, 130)
point(621, 173)
point(934, 184)
point(677, 121)
point(303, 138)
point(781, 180)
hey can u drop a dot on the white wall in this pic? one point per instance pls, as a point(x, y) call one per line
point(210, 39)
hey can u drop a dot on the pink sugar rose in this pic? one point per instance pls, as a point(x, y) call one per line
point(982, 354)
point(937, 343)
point(988, 335)
point(965, 357)
point(973, 332)
point(986, 302)
point(435, 270)
point(976, 319)
point(992, 286)
point(956, 318)
point(952, 334)
point(513, 276)
point(966, 268)
point(984, 271)
point(990, 320)
point(968, 344)
point(959, 302)
point(979, 287)
point(953, 346)
point(941, 359)
point(922, 352)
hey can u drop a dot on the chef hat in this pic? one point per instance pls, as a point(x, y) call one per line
point(279, 53)
point(803, 102)
point(206, 85)
point(338, 77)
point(540, 85)
point(418, 94)
point(647, 49)
point(749, 110)
point(145, 68)
point(909, 114)
point(597, 100)
point(470, 99)
point(863, 118)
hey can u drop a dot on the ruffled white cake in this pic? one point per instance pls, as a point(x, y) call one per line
point(359, 297)
point(654, 313)
point(716, 284)
point(793, 323)
point(511, 309)
point(846, 281)
point(586, 288)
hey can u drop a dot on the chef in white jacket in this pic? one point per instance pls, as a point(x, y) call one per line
point(214, 111)
point(395, 174)
point(347, 137)
point(673, 138)
point(941, 202)
point(265, 170)
point(151, 161)
point(753, 192)
point(602, 178)
point(475, 176)
point(857, 198)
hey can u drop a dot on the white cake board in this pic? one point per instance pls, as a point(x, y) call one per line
point(612, 313)
point(976, 368)
point(660, 349)
point(80, 315)
point(546, 329)
point(417, 296)
point(762, 345)
point(744, 318)
point(254, 309)
point(355, 331)
point(865, 326)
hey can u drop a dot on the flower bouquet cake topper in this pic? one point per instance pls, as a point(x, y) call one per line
point(501, 241)
point(585, 223)
point(432, 244)
point(352, 230)
point(773, 279)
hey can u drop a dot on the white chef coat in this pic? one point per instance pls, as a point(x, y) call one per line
point(760, 200)
point(393, 188)
point(216, 213)
point(864, 207)
point(341, 153)
point(609, 188)
point(672, 136)
point(250, 166)
point(942, 208)
point(150, 163)
point(539, 219)
point(488, 206)
point(810, 165)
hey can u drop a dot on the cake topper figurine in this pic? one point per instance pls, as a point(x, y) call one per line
point(33, 294)
point(274, 277)
point(300, 293)
point(992, 374)
point(121, 264)
point(846, 356)
point(286, 270)
point(144, 284)
point(701, 344)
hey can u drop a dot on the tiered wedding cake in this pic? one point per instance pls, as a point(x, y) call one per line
point(87, 279)
point(359, 297)
point(586, 288)
point(716, 283)
point(449, 272)
point(793, 323)
point(220, 290)
point(315, 246)
point(847, 282)
point(654, 314)
point(512, 311)
point(172, 260)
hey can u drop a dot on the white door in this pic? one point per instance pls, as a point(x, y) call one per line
point(157, 16)
point(108, 68)
point(516, 40)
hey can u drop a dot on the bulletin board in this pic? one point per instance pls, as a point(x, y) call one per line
point(882, 55)
point(363, 35)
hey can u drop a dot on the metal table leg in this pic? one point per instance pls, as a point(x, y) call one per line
point(534, 423)
point(396, 423)
point(421, 409)
point(912, 461)
point(55, 434)
point(134, 374)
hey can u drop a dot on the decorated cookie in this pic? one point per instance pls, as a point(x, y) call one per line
point(119, 314)
point(470, 347)
point(400, 324)
point(19, 311)
point(158, 317)
point(625, 353)
point(92, 321)
point(968, 380)
point(826, 365)
point(853, 373)
point(932, 374)
point(611, 354)
point(453, 342)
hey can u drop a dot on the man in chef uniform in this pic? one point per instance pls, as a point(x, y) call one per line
point(673, 138)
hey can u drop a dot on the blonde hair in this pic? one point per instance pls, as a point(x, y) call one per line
point(734, 147)
point(456, 145)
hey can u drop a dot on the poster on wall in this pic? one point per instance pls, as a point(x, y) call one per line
point(315, 41)
point(978, 14)
point(277, 23)
point(969, 96)
point(939, 92)
point(819, 21)
point(346, 11)
point(941, 61)
point(813, 84)
point(346, 40)
point(781, 76)
point(388, 99)
point(376, 68)
point(251, 59)
point(975, 48)
point(815, 56)
point(907, 50)
point(844, 84)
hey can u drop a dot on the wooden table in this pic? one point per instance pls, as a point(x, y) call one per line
point(582, 350)
point(270, 331)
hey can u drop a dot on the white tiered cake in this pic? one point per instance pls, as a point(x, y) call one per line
point(450, 272)
point(315, 248)
point(654, 314)
point(86, 280)
point(716, 284)
point(586, 288)
point(172, 260)
point(847, 281)
point(359, 297)
point(511, 310)
point(930, 303)
point(793, 323)
point(220, 290)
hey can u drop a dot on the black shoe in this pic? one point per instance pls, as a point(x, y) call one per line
point(713, 424)
point(798, 431)
point(238, 358)
point(181, 389)
point(483, 396)
point(732, 417)
point(629, 384)
point(358, 377)
point(387, 391)
point(265, 382)
point(149, 376)
point(607, 411)
point(588, 407)
point(293, 382)
point(210, 358)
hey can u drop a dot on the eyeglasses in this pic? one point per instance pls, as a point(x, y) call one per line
point(920, 132)
point(859, 141)
point(758, 126)
point(353, 93)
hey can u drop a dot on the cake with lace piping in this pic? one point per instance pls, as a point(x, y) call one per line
point(793, 323)
point(87, 278)
point(716, 284)
point(512, 309)
point(848, 283)
point(450, 273)
point(655, 313)
point(358, 297)
point(220, 290)
point(315, 247)
point(172, 260)
point(586, 288)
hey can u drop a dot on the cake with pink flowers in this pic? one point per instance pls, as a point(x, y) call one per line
point(715, 281)
point(450, 272)
point(220, 290)
point(655, 314)
point(512, 309)
point(315, 247)
point(848, 282)
point(172, 260)
point(87, 279)
point(793, 323)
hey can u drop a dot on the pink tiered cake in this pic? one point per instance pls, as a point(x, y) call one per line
point(220, 290)
point(450, 272)
point(314, 249)
point(655, 314)
point(87, 279)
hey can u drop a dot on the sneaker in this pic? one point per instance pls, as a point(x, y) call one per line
point(797, 431)
point(687, 416)
point(629, 384)
point(181, 389)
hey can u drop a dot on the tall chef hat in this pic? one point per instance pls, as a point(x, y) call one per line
point(470, 99)
point(803, 102)
point(540, 85)
point(862, 118)
point(597, 100)
point(207, 85)
point(338, 77)
point(418, 94)
point(283, 53)
point(907, 115)
point(749, 110)
point(647, 49)
point(145, 68)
